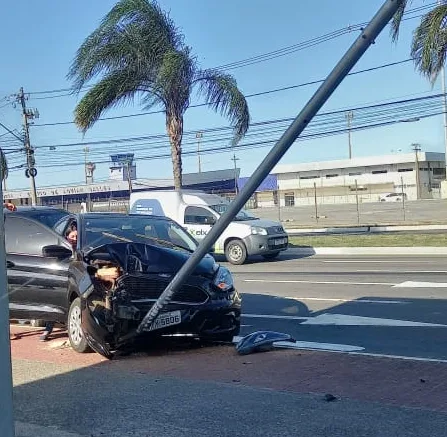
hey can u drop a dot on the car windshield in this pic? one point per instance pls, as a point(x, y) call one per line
point(241, 216)
point(138, 229)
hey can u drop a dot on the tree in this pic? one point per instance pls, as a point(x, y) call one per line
point(429, 44)
point(139, 52)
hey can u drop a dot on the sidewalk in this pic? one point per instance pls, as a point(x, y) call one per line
point(29, 430)
point(179, 391)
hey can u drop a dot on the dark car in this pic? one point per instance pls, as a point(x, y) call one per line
point(103, 289)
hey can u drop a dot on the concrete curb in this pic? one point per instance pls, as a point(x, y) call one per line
point(365, 229)
point(368, 251)
point(29, 430)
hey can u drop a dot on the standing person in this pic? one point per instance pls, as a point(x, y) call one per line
point(48, 330)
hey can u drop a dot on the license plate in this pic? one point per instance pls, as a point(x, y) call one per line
point(280, 242)
point(165, 320)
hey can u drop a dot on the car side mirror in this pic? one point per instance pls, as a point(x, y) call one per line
point(55, 251)
point(210, 221)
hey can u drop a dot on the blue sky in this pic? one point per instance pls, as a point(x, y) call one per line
point(37, 54)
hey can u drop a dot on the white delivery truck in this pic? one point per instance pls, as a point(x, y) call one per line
point(197, 211)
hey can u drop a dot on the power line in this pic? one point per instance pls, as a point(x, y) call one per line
point(11, 132)
point(326, 124)
point(214, 130)
point(264, 56)
point(314, 82)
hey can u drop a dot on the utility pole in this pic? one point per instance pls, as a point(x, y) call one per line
point(349, 117)
point(234, 159)
point(129, 179)
point(417, 148)
point(30, 172)
point(199, 136)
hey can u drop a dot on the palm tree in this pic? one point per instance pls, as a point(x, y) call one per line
point(139, 52)
point(429, 45)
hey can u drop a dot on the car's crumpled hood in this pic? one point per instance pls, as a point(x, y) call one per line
point(151, 258)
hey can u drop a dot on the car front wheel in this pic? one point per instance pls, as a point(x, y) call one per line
point(75, 333)
point(236, 252)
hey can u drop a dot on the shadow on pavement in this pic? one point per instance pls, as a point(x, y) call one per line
point(142, 397)
point(283, 256)
point(274, 305)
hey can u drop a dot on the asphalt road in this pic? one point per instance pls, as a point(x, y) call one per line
point(361, 305)
point(370, 213)
point(372, 305)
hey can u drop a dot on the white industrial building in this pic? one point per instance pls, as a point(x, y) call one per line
point(417, 174)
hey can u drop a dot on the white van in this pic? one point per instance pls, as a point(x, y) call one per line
point(197, 211)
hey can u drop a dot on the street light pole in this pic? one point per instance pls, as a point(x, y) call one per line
point(349, 117)
point(367, 37)
point(234, 159)
point(86, 150)
point(199, 136)
point(416, 149)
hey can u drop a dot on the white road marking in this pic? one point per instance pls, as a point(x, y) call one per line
point(348, 320)
point(376, 262)
point(397, 357)
point(416, 272)
point(312, 345)
point(412, 284)
point(327, 299)
point(272, 316)
point(268, 281)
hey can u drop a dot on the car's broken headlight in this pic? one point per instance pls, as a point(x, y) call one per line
point(223, 279)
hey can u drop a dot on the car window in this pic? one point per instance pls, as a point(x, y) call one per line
point(48, 217)
point(195, 215)
point(26, 237)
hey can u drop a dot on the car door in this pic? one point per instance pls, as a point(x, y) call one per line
point(198, 221)
point(37, 285)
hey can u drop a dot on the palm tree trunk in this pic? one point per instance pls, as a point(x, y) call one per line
point(174, 127)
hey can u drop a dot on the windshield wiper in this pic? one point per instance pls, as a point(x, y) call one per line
point(165, 242)
point(106, 234)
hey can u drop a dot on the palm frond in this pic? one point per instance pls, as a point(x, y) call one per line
point(134, 33)
point(221, 93)
point(397, 19)
point(430, 42)
point(174, 80)
point(116, 88)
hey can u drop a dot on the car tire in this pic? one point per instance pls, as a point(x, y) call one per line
point(236, 252)
point(271, 256)
point(74, 328)
point(37, 323)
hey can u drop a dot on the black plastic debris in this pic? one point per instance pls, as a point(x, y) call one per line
point(261, 341)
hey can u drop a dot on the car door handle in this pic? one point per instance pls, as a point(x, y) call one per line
point(9, 264)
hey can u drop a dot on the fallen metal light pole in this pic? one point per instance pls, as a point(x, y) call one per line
point(348, 61)
point(6, 408)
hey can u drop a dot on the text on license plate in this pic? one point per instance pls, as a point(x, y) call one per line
point(166, 319)
point(280, 241)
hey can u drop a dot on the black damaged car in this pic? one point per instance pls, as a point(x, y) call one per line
point(103, 288)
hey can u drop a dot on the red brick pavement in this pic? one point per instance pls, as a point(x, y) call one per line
point(392, 381)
